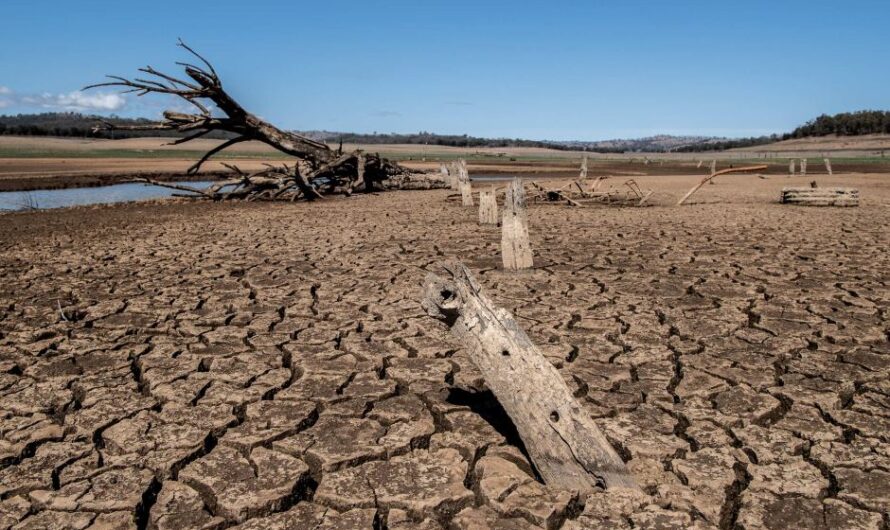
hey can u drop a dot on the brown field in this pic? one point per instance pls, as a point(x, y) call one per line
point(196, 365)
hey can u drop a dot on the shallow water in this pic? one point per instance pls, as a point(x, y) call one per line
point(45, 199)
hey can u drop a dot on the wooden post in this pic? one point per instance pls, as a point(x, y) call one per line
point(488, 208)
point(515, 248)
point(446, 175)
point(455, 175)
point(700, 162)
point(791, 167)
point(568, 449)
point(803, 166)
point(828, 166)
point(584, 167)
point(466, 193)
point(713, 166)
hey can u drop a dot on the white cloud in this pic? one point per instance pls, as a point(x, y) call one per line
point(79, 100)
point(75, 101)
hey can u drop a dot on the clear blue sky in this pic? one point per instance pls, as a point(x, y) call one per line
point(543, 70)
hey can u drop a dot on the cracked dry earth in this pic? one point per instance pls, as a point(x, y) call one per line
point(269, 366)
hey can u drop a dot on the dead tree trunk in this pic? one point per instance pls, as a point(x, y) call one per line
point(488, 208)
point(721, 172)
point(455, 172)
point(318, 170)
point(828, 166)
point(516, 251)
point(567, 448)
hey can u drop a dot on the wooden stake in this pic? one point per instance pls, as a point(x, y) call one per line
point(488, 208)
point(713, 166)
point(584, 167)
point(828, 166)
point(455, 175)
point(791, 167)
point(803, 166)
point(466, 193)
point(515, 249)
point(568, 449)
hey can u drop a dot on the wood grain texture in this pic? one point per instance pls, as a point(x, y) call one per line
point(516, 250)
point(567, 448)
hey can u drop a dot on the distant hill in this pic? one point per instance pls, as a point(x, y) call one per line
point(845, 124)
point(661, 143)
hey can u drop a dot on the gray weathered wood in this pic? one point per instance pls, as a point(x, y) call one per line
point(714, 174)
point(791, 167)
point(455, 175)
point(584, 167)
point(713, 166)
point(466, 193)
point(803, 166)
point(820, 196)
point(516, 251)
point(828, 166)
point(566, 446)
point(488, 208)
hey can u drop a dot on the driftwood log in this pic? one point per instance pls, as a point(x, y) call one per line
point(820, 196)
point(516, 251)
point(718, 173)
point(567, 448)
point(318, 168)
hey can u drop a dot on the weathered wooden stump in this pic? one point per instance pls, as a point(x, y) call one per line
point(828, 166)
point(803, 166)
point(566, 446)
point(455, 175)
point(713, 166)
point(515, 248)
point(446, 175)
point(488, 208)
point(466, 193)
point(820, 196)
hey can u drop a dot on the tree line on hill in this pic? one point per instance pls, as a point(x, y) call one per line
point(72, 124)
point(845, 124)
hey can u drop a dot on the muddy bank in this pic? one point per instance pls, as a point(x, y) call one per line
point(208, 365)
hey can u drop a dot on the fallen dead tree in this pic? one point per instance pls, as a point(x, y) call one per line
point(815, 196)
point(318, 170)
point(566, 446)
point(718, 173)
point(579, 193)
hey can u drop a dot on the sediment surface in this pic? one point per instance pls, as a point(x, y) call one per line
point(269, 366)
